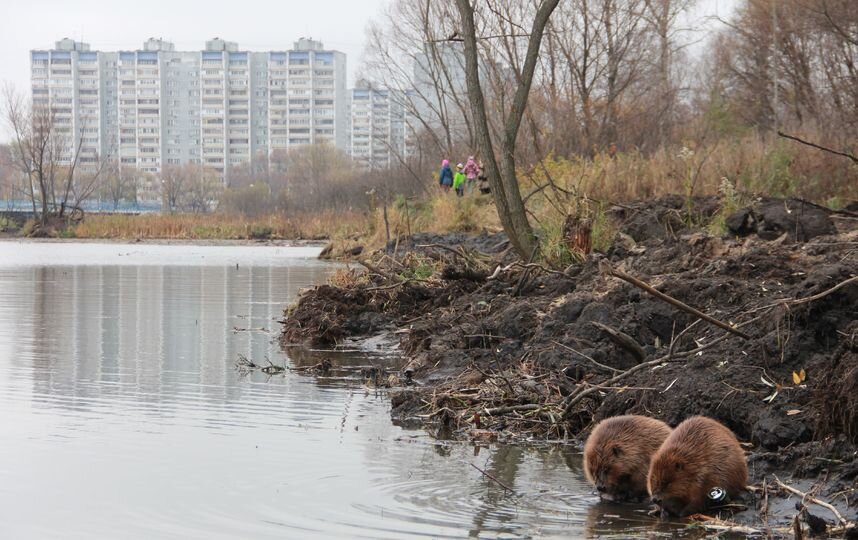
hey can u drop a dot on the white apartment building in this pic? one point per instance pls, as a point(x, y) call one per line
point(219, 107)
point(381, 133)
point(67, 81)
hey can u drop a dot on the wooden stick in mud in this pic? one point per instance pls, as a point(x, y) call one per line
point(490, 477)
point(606, 268)
point(814, 500)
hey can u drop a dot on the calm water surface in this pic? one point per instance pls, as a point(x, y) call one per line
point(123, 415)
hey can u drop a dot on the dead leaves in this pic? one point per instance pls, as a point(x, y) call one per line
point(797, 378)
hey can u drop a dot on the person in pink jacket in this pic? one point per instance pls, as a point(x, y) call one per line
point(471, 170)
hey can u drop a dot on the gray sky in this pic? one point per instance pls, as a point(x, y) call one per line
point(121, 24)
point(255, 24)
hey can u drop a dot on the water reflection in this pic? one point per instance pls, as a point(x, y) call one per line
point(145, 330)
point(123, 415)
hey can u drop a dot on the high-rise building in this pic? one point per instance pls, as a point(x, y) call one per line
point(219, 107)
point(380, 132)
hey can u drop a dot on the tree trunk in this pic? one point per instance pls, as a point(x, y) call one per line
point(502, 176)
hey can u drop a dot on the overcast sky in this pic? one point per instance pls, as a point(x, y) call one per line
point(255, 24)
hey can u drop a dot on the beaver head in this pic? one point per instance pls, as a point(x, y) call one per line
point(674, 482)
point(617, 456)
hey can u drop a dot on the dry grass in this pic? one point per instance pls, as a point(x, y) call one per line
point(317, 225)
point(749, 164)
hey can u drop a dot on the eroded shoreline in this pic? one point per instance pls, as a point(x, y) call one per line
point(501, 350)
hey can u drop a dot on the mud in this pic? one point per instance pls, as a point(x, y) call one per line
point(507, 350)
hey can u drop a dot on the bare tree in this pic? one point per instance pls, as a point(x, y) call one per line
point(501, 168)
point(175, 180)
point(118, 184)
point(49, 153)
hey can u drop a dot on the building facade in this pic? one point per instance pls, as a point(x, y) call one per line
point(219, 107)
point(381, 129)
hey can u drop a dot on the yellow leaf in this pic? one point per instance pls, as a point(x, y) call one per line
point(796, 378)
point(793, 412)
point(802, 374)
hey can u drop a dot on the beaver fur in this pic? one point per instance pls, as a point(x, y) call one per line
point(699, 455)
point(617, 455)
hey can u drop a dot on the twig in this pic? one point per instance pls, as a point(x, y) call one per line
point(492, 478)
point(814, 500)
point(818, 147)
point(823, 294)
point(675, 340)
point(712, 523)
point(524, 275)
point(824, 208)
point(584, 356)
point(606, 267)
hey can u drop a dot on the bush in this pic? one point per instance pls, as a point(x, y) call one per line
point(253, 200)
point(28, 227)
point(6, 224)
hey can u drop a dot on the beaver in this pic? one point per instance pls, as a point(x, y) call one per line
point(617, 455)
point(698, 456)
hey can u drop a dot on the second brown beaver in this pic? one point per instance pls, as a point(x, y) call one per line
point(617, 455)
point(699, 456)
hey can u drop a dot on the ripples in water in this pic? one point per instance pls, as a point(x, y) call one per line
point(123, 416)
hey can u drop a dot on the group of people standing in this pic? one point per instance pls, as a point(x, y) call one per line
point(466, 177)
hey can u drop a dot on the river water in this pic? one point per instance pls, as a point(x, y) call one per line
point(123, 415)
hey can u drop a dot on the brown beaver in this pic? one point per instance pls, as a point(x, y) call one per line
point(699, 456)
point(617, 455)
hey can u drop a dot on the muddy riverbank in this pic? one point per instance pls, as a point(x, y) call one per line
point(498, 349)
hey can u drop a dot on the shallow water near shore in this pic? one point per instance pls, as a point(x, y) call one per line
point(123, 415)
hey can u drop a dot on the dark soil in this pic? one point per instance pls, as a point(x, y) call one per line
point(510, 352)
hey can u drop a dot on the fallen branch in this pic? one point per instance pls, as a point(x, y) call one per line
point(492, 478)
point(584, 356)
point(244, 363)
point(606, 268)
point(498, 411)
point(814, 500)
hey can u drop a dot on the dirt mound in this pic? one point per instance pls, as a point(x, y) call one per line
point(771, 218)
point(529, 351)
